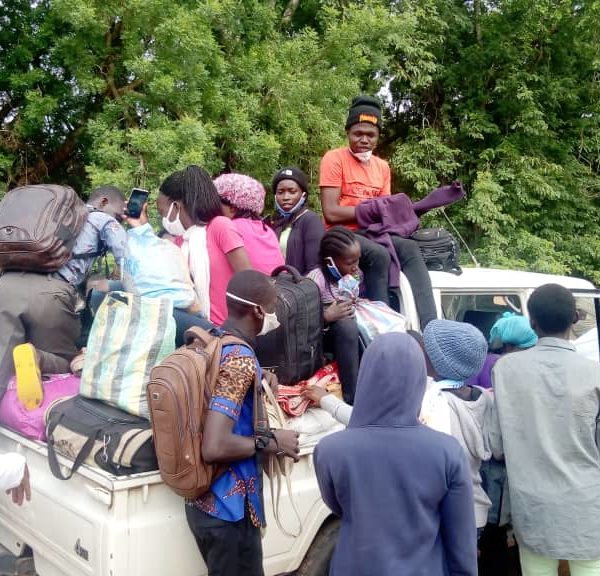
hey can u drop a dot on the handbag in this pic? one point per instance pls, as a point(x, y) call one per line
point(130, 335)
point(32, 423)
point(375, 318)
point(439, 250)
point(290, 397)
point(93, 433)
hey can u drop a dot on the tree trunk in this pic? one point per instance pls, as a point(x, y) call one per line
point(477, 11)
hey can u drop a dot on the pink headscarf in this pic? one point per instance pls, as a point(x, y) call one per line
point(242, 192)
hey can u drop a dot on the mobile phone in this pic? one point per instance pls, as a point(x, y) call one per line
point(136, 202)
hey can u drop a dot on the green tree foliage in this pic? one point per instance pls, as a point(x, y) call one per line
point(130, 90)
point(514, 112)
point(502, 94)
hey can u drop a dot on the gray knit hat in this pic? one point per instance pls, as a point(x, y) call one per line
point(456, 350)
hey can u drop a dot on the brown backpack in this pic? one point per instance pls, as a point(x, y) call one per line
point(38, 227)
point(179, 395)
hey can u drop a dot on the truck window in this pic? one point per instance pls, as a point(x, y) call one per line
point(481, 310)
point(586, 312)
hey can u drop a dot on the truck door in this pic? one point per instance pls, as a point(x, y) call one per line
point(584, 332)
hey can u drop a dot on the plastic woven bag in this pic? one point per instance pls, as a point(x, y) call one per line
point(130, 335)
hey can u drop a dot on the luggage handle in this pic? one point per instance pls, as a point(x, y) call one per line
point(79, 459)
point(293, 272)
point(120, 296)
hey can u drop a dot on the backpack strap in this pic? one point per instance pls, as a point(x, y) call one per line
point(97, 253)
point(278, 466)
point(85, 451)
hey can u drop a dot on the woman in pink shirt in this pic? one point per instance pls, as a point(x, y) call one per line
point(243, 200)
point(191, 208)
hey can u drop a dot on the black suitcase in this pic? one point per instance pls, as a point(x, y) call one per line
point(439, 249)
point(91, 432)
point(295, 350)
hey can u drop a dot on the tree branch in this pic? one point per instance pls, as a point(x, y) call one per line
point(289, 11)
point(42, 168)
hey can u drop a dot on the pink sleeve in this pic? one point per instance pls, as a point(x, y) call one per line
point(225, 234)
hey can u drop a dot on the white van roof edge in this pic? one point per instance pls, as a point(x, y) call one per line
point(493, 278)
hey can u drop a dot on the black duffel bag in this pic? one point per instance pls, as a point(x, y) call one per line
point(439, 249)
point(295, 350)
point(92, 432)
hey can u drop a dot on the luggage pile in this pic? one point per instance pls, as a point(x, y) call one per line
point(128, 411)
point(101, 418)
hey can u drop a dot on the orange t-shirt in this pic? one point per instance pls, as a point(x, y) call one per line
point(357, 180)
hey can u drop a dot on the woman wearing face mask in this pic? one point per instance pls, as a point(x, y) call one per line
point(339, 255)
point(191, 208)
point(298, 228)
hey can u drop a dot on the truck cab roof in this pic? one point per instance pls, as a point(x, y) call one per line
point(494, 278)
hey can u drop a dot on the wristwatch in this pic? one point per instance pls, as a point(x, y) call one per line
point(262, 439)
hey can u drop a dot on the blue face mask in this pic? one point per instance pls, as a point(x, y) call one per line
point(287, 213)
point(332, 268)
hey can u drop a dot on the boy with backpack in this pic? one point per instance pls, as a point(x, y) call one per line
point(38, 317)
point(226, 520)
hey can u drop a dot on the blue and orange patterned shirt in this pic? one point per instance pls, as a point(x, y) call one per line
point(240, 486)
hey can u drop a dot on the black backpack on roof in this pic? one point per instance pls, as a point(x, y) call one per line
point(439, 250)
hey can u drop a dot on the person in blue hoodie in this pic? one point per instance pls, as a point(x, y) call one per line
point(402, 490)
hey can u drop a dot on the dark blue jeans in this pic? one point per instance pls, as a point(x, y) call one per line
point(185, 320)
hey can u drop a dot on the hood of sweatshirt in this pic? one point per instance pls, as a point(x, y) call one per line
point(391, 383)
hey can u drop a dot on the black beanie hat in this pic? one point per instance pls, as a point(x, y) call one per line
point(290, 173)
point(364, 109)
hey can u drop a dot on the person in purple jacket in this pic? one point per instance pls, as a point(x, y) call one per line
point(298, 228)
point(402, 490)
point(510, 333)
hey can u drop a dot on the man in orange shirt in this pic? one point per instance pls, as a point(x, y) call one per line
point(350, 175)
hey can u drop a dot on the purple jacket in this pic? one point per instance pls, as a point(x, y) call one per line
point(304, 241)
point(484, 378)
point(397, 214)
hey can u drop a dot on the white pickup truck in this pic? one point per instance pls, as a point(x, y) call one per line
point(97, 524)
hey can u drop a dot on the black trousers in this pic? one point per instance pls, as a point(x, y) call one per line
point(375, 264)
point(342, 340)
point(413, 266)
point(228, 548)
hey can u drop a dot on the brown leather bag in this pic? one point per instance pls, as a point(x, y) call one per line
point(179, 395)
point(38, 227)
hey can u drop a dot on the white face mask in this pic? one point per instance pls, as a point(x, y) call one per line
point(174, 228)
point(270, 321)
point(362, 156)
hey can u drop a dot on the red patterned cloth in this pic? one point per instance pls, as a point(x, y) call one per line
point(290, 397)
